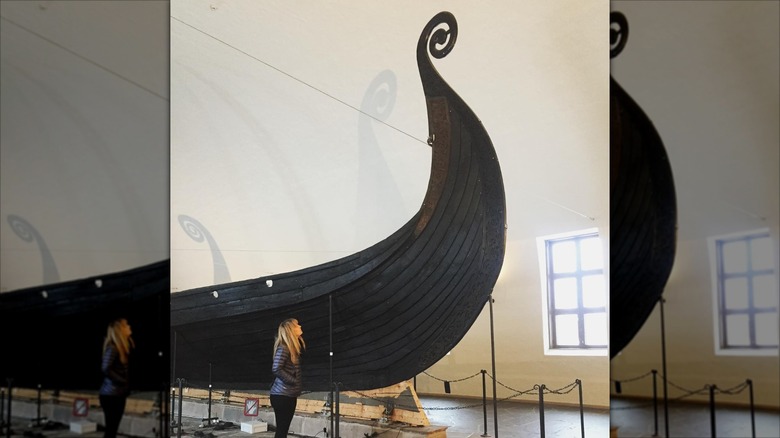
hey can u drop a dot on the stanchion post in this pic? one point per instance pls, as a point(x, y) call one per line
point(209, 413)
point(541, 410)
point(338, 419)
point(582, 411)
point(493, 361)
point(330, 358)
point(8, 408)
point(655, 402)
point(173, 407)
point(663, 365)
point(484, 402)
point(2, 408)
point(712, 409)
point(752, 409)
point(181, 398)
point(38, 419)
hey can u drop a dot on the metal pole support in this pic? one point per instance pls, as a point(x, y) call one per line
point(712, 409)
point(582, 410)
point(484, 403)
point(752, 409)
point(655, 402)
point(181, 398)
point(541, 410)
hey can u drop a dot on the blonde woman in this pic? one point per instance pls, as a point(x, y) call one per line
point(286, 388)
point(116, 384)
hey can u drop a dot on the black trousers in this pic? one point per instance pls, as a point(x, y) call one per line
point(284, 410)
point(113, 409)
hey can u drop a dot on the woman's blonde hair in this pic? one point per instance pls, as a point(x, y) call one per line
point(116, 336)
point(287, 338)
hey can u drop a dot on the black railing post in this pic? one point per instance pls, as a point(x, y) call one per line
point(493, 361)
point(541, 410)
point(712, 410)
point(655, 402)
point(181, 398)
point(338, 419)
point(661, 300)
point(38, 419)
point(752, 409)
point(330, 350)
point(582, 411)
point(173, 408)
point(484, 402)
point(2, 408)
point(8, 408)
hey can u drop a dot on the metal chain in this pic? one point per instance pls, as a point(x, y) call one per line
point(633, 378)
point(452, 381)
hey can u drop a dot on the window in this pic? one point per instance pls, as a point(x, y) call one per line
point(574, 293)
point(746, 294)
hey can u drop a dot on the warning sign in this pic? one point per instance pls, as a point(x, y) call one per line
point(80, 407)
point(251, 406)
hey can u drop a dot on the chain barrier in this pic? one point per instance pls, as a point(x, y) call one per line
point(736, 389)
point(710, 389)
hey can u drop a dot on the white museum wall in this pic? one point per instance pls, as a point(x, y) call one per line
point(275, 157)
point(706, 75)
point(84, 139)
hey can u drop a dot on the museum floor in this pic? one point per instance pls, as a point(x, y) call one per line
point(465, 418)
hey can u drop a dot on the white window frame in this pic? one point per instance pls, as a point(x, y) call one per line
point(717, 294)
point(541, 245)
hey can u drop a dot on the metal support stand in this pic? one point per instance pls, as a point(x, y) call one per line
point(163, 410)
point(493, 361)
point(38, 407)
point(181, 398)
point(655, 402)
point(338, 412)
point(8, 411)
point(663, 365)
point(332, 383)
point(541, 410)
point(484, 402)
point(582, 411)
point(712, 410)
point(752, 409)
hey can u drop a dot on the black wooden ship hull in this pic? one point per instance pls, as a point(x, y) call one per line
point(52, 335)
point(388, 312)
point(643, 213)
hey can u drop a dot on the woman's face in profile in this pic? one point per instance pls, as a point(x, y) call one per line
point(297, 329)
point(124, 328)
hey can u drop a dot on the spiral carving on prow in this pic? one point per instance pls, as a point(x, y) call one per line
point(441, 42)
point(618, 33)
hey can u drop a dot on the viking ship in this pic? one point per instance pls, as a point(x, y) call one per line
point(643, 210)
point(388, 312)
point(52, 335)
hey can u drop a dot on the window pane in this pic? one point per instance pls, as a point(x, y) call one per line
point(592, 257)
point(735, 257)
point(737, 331)
point(565, 293)
point(593, 292)
point(766, 329)
point(564, 256)
point(596, 329)
point(761, 253)
point(736, 293)
point(566, 331)
point(764, 291)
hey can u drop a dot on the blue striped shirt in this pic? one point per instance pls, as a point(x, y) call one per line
point(288, 374)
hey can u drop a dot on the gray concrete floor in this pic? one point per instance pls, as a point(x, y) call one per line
point(465, 418)
point(637, 418)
